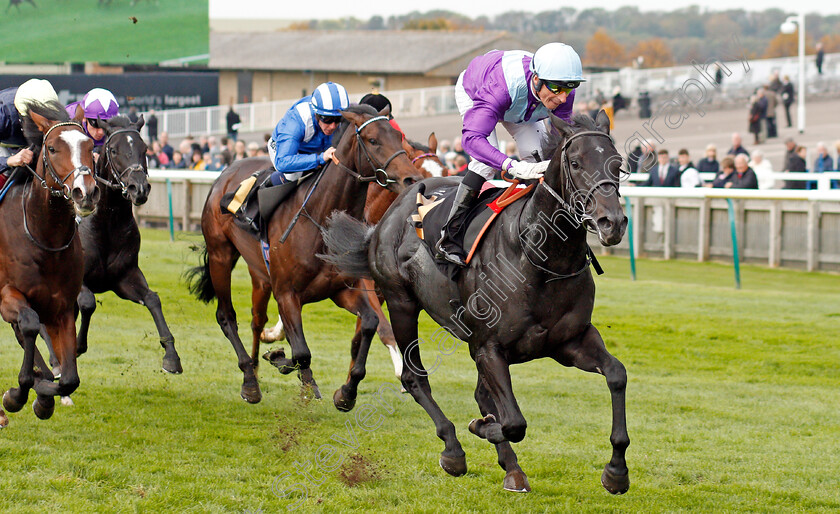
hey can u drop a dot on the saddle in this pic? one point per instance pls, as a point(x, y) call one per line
point(433, 211)
point(255, 200)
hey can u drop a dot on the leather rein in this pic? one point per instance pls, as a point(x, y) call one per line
point(380, 176)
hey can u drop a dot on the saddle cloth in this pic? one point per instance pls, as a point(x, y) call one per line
point(433, 211)
point(255, 200)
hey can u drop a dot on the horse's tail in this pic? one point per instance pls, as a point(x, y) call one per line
point(347, 241)
point(198, 278)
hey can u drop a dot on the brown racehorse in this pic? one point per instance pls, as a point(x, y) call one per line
point(41, 260)
point(368, 148)
point(427, 162)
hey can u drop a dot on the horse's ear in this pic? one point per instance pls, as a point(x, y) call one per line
point(386, 111)
point(433, 142)
point(352, 117)
point(602, 121)
point(79, 115)
point(105, 125)
point(564, 128)
point(41, 122)
point(139, 124)
point(407, 146)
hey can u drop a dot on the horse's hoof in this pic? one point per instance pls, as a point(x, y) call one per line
point(4, 420)
point(56, 371)
point(44, 407)
point(455, 466)
point(269, 335)
point(251, 394)
point(615, 484)
point(10, 404)
point(66, 401)
point(476, 424)
point(172, 365)
point(517, 482)
point(311, 392)
point(341, 402)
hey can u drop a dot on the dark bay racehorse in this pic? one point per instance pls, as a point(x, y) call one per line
point(41, 261)
point(527, 293)
point(111, 238)
point(368, 149)
point(378, 200)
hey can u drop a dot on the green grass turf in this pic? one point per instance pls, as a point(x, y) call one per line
point(732, 406)
point(82, 30)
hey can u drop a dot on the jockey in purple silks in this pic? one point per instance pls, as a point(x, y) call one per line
point(519, 90)
point(99, 104)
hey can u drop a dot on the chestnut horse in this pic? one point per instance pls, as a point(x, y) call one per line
point(368, 149)
point(427, 162)
point(41, 258)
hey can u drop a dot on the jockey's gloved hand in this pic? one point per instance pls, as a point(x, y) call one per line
point(527, 170)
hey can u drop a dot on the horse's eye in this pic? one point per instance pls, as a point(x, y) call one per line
point(51, 148)
point(574, 164)
point(373, 141)
point(112, 151)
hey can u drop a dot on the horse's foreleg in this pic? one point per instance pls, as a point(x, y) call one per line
point(384, 329)
point(56, 370)
point(589, 354)
point(358, 304)
point(16, 310)
point(63, 336)
point(133, 286)
point(86, 302)
point(289, 307)
point(515, 479)
point(260, 295)
point(415, 380)
point(494, 368)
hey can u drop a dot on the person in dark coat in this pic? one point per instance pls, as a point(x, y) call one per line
point(758, 113)
point(233, 121)
point(737, 147)
point(787, 97)
point(797, 164)
point(664, 174)
point(709, 163)
point(820, 57)
point(152, 126)
point(744, 177)
point(727, 172)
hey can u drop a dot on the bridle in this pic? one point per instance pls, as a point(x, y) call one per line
point(118, 183)
point(576, 206)
point(578, 197)
point(63, 190)
point(423, 156)
point(380, 176)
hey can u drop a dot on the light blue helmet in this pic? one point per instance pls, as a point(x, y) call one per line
point(329, 99)
point(557, 62)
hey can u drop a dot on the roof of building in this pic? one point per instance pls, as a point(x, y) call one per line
point(370, 51)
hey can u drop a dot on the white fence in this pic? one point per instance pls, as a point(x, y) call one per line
point(410, 103)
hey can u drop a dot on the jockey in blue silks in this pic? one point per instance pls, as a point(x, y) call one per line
point(13, 105)
point(519, 90)
point(301, 141)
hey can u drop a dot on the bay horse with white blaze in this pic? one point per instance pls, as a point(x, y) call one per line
point(368, 149)
point(41, 258)
point(534, 263)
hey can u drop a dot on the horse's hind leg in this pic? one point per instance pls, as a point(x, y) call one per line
point(133, 286)
point(589, 354)
point(289, 306)
point(489, 428)
point(357, 303)
point(56, 369)
point(16, 310)
point(86, 302)
point(384, 329)
point(221, 259)
point(415, 380)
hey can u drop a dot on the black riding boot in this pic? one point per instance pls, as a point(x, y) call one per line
point(468, 190)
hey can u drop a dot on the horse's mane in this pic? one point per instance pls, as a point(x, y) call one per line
point(419, 146)
point(53, 111)
point(342, 127)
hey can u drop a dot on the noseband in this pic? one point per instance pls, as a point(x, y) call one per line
point(118, 183)
point(64, 189)
point(380, 176)
point(578, 197)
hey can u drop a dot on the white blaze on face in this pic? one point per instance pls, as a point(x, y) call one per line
point(434, 169)
point(74, 140)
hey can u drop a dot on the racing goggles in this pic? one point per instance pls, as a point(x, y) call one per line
point(328, 120)
point(561, 86)
point(93, 122)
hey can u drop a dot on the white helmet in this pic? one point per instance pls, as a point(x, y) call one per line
point(34, 91)
point(557, 62)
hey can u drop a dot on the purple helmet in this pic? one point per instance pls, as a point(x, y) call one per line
point(100, 103)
